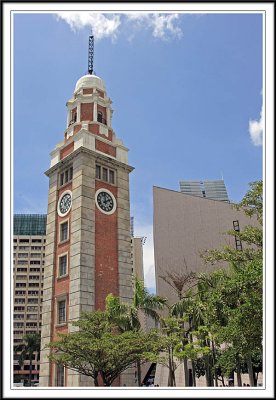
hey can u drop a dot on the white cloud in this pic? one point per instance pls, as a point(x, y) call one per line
point(101, 25)
point(162, 26)
point(256, 130)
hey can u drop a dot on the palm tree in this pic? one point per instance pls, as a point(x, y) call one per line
point(181, 282)
point(126, 315)
point(185, 308)
point(210, 317)
point(31, 344)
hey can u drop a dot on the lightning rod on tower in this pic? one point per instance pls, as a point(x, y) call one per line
point(90, 54)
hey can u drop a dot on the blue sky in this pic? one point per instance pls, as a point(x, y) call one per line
point(186, 92)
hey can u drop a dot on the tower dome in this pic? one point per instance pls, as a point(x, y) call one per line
point(90, 81)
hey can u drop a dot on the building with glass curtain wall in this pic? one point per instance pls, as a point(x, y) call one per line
point(213, 190)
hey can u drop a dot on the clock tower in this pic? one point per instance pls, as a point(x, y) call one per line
point(88, 243)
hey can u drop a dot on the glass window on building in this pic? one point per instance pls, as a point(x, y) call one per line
point(61, 312)
point(60, 375)
point(66, 176)
point(98, 171)
point(63, 265)
point(105, 174)
point(111, 176)
point(64, 231)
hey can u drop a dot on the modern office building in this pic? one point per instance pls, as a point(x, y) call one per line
point(28, 267)
point(186, 225)
point(214, 190)
point(88, 248)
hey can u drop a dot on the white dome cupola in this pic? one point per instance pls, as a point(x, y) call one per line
point(89, 81)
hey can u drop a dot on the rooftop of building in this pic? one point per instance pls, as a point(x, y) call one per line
point(212, 189)
point(180, 193)
point(29, 224)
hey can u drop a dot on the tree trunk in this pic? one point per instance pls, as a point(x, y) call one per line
point(170, 369)
point(171, 381)
point(256, 376)
point(239, 379)
point(30, 369)
point(185, 360)
point(191, 341)
point(209, 366)
point(208, 372)
point(250, 371)
point(173, 378)
point(193, 373)
point(186, 371)
point(214, 361)
point(139, 373)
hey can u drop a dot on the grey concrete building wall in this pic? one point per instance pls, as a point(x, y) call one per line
point(125, 264)
point(186, 225)
point(82, 250)
point(47, 309)
point(137, 249)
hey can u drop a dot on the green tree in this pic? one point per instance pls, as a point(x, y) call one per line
point(31, 344)
point(127, 315)
point(181, 283)
point(233, 305)
point(99, 349)
point(172, 335)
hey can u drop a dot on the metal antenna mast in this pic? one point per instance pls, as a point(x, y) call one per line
point(90, 54)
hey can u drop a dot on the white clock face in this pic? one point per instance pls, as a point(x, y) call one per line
point(64, 203)
point(105, 201)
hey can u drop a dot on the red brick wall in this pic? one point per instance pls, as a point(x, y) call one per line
point(86, 112)
point(93, 128)
point(61, 286)
point(88, 91)
point(106, 252)
point(105, 148)
point(66, 150)
point(77, 128)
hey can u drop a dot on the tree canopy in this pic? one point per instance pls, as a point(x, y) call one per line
point(97, 349)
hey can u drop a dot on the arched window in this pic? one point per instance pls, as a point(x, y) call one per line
point(100, 116)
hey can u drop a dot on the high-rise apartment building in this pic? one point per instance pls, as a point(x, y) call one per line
point(88, 248)
point(214, 190)
point(28, 267)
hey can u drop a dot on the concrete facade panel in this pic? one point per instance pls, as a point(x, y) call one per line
point(185, 226)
